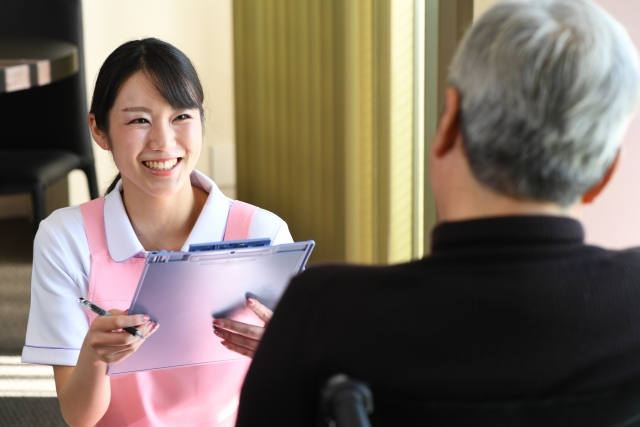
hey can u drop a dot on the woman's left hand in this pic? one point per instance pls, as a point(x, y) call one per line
point(242, 337)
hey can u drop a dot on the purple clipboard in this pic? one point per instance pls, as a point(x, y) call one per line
point(184, 291)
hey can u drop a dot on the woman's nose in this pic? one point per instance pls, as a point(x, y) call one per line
point(161, 137)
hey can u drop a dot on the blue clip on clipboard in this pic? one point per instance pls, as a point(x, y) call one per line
point(229, 244)
point(184, 291)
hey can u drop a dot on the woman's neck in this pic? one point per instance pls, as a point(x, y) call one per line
point(163, 222)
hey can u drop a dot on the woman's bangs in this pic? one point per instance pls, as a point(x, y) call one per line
point(174, 87)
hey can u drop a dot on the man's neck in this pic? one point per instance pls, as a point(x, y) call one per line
point(477, 201)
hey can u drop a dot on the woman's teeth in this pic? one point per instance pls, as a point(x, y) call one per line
point(161, 166)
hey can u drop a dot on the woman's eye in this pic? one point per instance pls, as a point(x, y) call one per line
point(183, 117)
point(141, 120)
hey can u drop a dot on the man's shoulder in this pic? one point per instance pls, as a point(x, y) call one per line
point(621, 258)
point(329, 276)
point(632, 252)
point(339, 269)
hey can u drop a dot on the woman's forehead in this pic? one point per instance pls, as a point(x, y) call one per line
point(138, 91)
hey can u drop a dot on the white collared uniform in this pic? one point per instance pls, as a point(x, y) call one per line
point(61, 266)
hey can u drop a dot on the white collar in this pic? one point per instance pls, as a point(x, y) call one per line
point(123, 242)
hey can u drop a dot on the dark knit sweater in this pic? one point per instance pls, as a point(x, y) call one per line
point(504, 308)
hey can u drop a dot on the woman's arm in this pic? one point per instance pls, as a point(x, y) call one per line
point(84, 390)
point(59, 333)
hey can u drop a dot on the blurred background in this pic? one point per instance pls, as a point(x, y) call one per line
point(320, 111)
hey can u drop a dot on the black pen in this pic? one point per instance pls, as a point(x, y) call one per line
point(102, 312)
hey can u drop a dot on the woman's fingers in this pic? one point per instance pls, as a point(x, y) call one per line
point(242, 337)
point(112, 335)
point(149, 329)
point(238, 336)
point(238, 343)
point(260, 310)
point(239, 340)
point(110, 342)
point(111, 323)
point(239, 328)
point(124, 345)
point(239, 349)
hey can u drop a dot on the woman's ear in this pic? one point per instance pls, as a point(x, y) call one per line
point(591, 195)
point(99, 136)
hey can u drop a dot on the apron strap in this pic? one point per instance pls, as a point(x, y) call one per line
point(93, 217)
point(239, 221)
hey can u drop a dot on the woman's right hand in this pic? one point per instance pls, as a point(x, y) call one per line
point(109, 343)
point(84, 390)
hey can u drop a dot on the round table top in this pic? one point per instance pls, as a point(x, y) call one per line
point(27, 62)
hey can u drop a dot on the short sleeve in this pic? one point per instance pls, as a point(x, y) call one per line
point(267, 224)
point(57, 323)
point(283, 235)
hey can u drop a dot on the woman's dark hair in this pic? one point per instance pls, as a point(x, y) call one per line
point(166, 67)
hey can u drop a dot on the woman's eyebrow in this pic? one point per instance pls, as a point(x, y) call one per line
point(137, 109)
point(148, 110)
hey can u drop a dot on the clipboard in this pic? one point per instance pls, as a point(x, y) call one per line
point(184, 291)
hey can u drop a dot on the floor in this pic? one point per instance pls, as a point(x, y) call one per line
point(27, 392)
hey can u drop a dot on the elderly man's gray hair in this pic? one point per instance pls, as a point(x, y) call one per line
point(547, 89)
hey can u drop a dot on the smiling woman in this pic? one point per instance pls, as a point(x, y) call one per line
point(147, 111)
point(149, 73)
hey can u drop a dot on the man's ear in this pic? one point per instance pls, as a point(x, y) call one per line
point(449, 126)
point(99, 136)
point(590, 195)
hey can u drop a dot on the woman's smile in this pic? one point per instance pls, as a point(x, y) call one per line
point(162, 165)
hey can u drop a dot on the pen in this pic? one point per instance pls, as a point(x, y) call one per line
point(102, 312)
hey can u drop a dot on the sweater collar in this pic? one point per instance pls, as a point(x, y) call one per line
point(507, 230)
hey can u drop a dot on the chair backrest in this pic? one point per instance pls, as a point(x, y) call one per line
point(55, 115)
point(615, 407)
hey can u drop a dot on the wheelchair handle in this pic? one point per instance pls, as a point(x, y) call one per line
point(347, 402)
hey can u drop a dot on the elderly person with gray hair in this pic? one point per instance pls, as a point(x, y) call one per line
point(511, 303)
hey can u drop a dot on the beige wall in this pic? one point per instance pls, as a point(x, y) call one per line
point(481, 6)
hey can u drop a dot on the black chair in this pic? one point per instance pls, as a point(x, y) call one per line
point(43, 131)
point(345, 402)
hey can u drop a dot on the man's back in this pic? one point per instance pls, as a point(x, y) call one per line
point(505, 308)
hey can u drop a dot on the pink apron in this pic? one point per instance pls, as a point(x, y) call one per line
point(205, 395)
